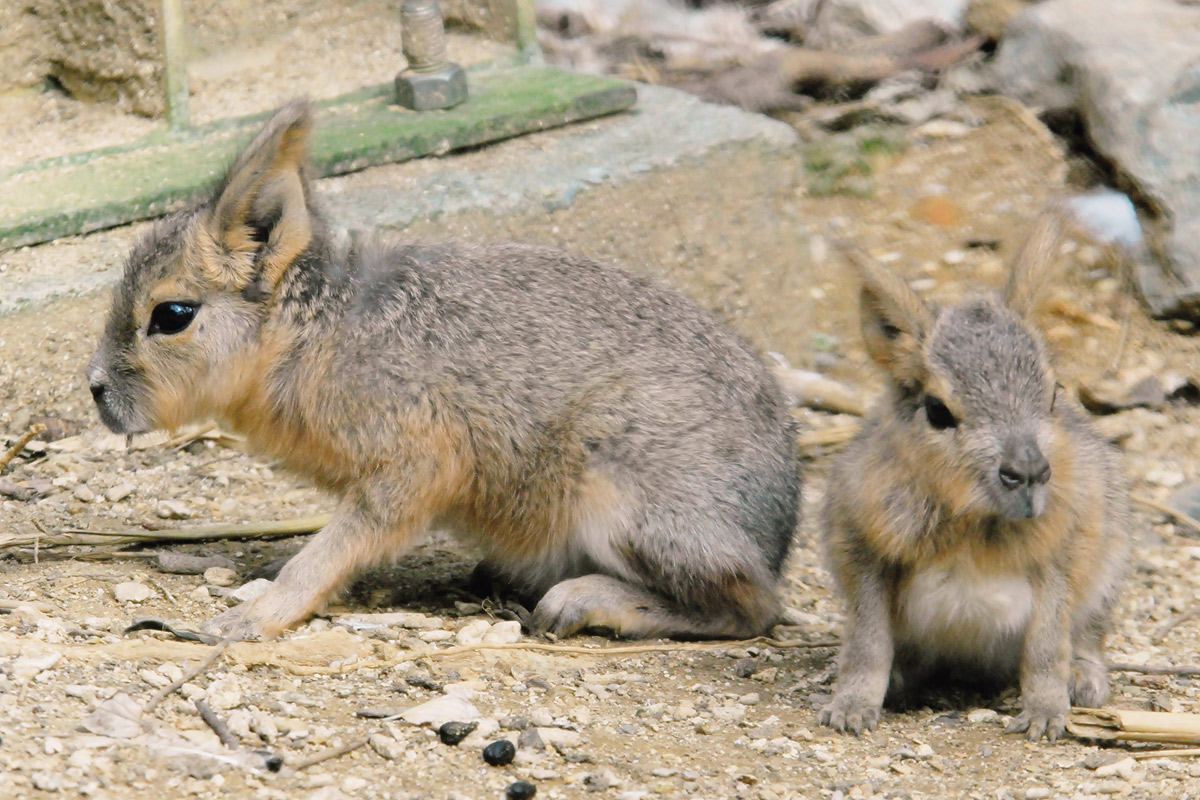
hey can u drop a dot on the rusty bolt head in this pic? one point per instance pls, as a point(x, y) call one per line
point(428, 90)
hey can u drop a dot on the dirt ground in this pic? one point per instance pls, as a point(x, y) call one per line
point(724, 721)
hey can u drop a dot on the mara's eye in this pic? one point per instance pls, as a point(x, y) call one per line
point(169, 318)
point(938, 415)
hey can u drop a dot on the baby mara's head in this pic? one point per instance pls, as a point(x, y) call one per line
point(182, 337)
point(972, 391)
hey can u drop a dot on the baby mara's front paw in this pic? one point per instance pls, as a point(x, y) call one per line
point(847, 711)
point(1037, 720)
point(234, 624)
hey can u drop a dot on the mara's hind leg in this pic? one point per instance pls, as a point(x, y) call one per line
point(602, 602)
point(655, 559)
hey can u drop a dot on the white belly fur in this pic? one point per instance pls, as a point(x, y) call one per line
point(957, 613)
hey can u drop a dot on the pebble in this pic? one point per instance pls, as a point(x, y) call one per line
point(172, 509)
point(530, 739)
point(118, 493)
point(26, 667)
point(472, 632)
point(83, 494)
point(1037, 793)
point(220, 576)
point(248, 591)
point(1121, 769)
point(131, 592)
point(354, 784)
point(47, 781)
point(520, 790)
point(440, 710)
point(386, 747)
point(982, 715)
point(503, 633)
point(559, 738)
point(953, 257)
point(454, 732)
point(187, 564)
point(499, 752)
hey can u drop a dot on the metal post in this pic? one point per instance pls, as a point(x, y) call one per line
point(431, 81)
point(174, 45)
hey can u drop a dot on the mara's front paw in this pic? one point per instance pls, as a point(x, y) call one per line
point(1040, 719)
point(234, 624)
point(264, 617)
point(847, 711)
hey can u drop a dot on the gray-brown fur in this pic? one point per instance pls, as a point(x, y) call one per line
point(978, 525)
point(609, 446)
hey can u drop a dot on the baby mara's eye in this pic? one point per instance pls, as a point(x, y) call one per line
point(938, 415)
point(171, 317)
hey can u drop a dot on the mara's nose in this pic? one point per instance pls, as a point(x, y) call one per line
point(98, 390)
point(1026, 466)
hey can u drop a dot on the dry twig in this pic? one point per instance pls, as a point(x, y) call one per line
point(1174, 513)
point(78, 536)
point(1175, 622)
point(12, 452)
point(164, 692)
point(670, 647)
point(333, 752)
point(1141, 754)
point(1154, 669)
point(218, 725)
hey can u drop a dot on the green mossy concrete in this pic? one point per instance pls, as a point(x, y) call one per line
point(103, 188)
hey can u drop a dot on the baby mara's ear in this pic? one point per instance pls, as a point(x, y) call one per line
point(260, 218)
point(895, 321)
point(1032, 268)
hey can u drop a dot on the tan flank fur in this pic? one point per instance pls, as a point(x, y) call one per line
point(978, 526)
point(616, 455)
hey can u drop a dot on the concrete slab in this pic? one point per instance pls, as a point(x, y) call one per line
point(700, 195)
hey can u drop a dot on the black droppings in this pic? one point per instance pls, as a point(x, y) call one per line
point(521, 790)
point(499, 752)
point(454, 732)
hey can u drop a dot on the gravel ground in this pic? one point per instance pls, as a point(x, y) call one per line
point(734, 720)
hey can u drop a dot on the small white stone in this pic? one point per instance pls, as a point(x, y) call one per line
point(47, 781)
point(118, 493)
point(503, 633)
point(172, 509)
point(982, 715)
point(83, 494)
point(386, 747)
point(220, 576)
point(354, 784)
point(248, 591)
point(472, 632)
point(450, 708)
point(751, 699)
point(132, 592)
point(558, 738)
point(435, 636)
point(954, 257)
point(1121, 769)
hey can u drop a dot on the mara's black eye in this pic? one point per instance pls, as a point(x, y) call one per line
point(173, 317)
point(938, 415)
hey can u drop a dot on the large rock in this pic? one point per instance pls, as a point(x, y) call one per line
point(841, 23)
point(1134, 76)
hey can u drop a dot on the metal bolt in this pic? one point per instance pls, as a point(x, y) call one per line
point(431, 81)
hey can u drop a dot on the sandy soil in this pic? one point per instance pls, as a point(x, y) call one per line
point(732, 721)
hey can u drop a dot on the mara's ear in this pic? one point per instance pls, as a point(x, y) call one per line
point(895, 321)
point(260, 215)
point(1033, 266)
